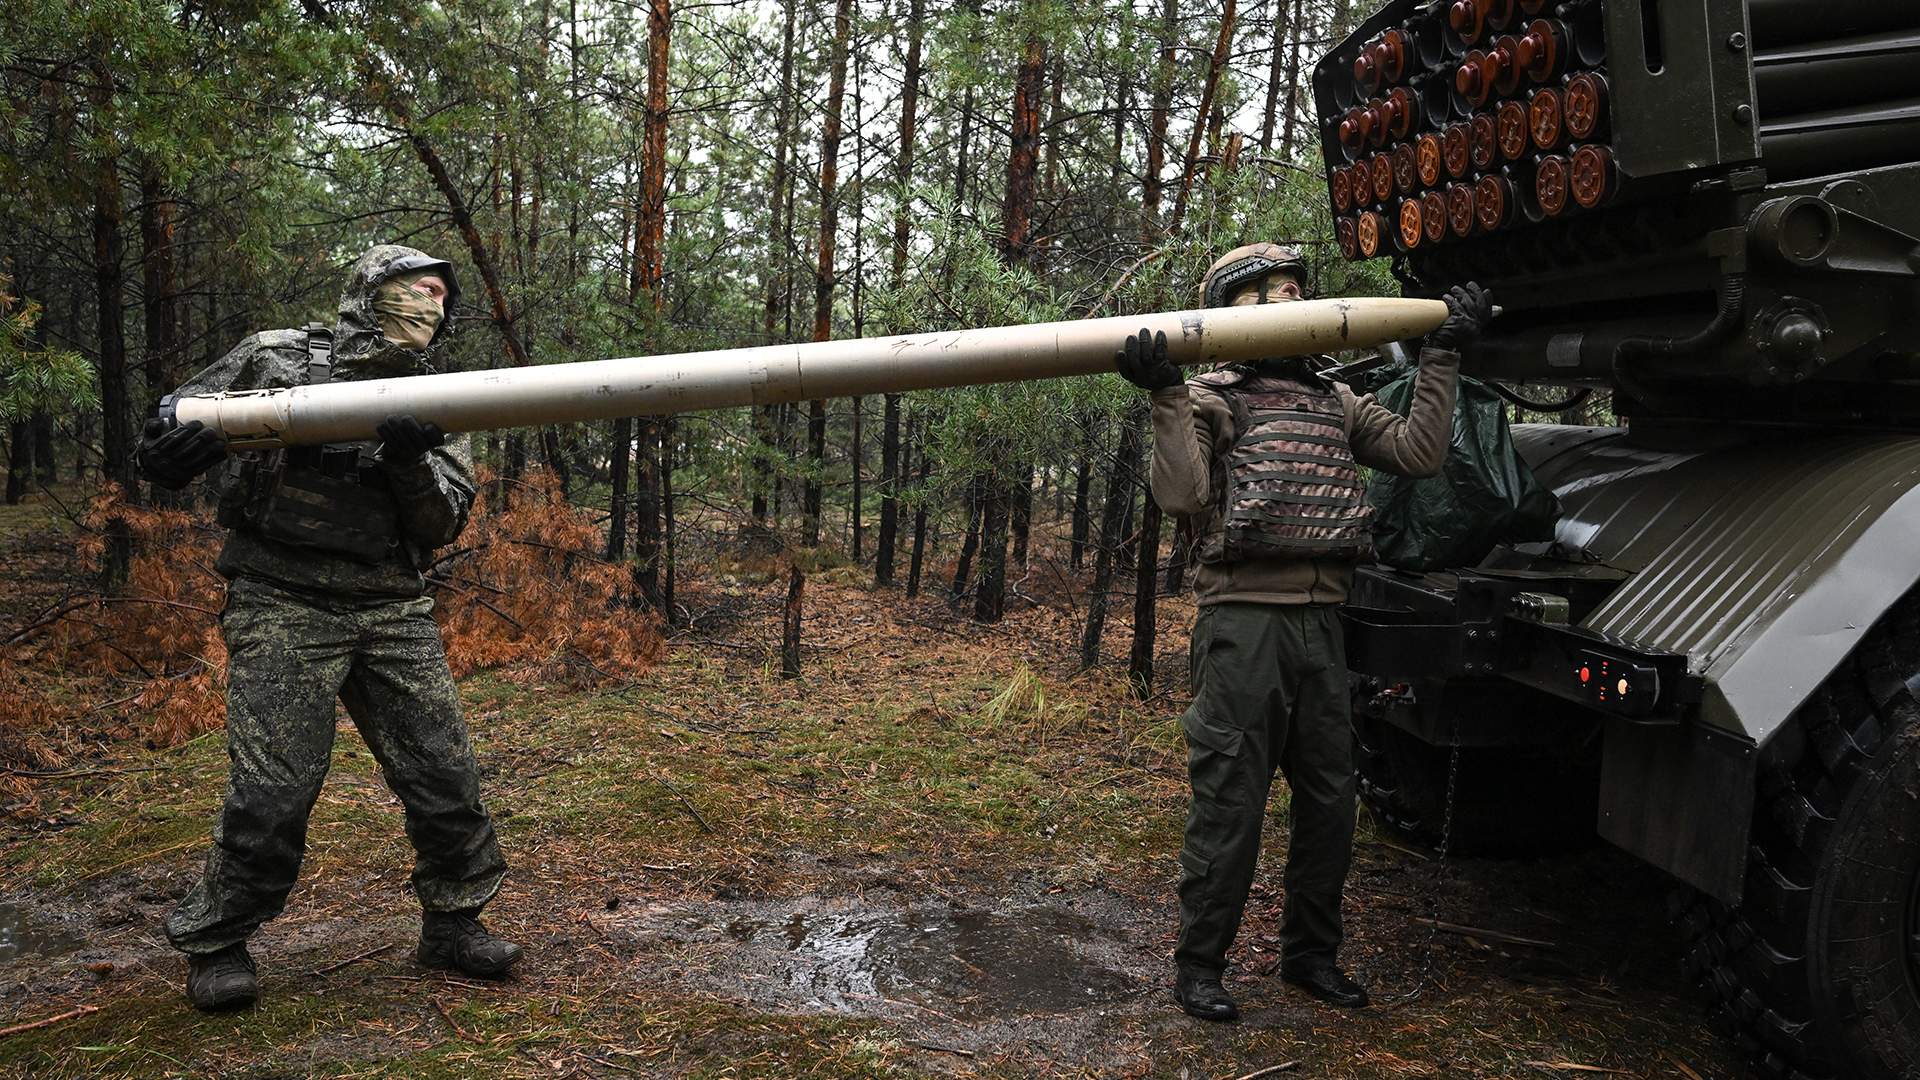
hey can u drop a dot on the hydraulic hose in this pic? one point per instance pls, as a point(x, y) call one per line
point(1726, 322)
point(1570, 401)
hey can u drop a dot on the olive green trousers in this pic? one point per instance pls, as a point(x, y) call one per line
point(1269, 695)
point(290, 656)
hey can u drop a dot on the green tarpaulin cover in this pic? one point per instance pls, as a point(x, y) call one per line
point(1484, 496)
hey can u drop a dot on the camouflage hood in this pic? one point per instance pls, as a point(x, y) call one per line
point(360, 349)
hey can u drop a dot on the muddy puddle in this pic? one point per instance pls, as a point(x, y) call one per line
point(21, 936)
point(960, 964)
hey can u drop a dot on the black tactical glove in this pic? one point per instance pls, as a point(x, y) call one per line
point(1143, 361)
point(1469, 309)
point(407, 440)
point(173, 454)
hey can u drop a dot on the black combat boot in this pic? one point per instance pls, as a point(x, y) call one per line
point(455, 940)
point(219, 981)
point(1201, 994)
point(1325, 980)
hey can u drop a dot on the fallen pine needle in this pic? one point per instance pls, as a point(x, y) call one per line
point(691, 809)
point(942, 1049)
point(1574, 1066)
point(1285, 1066)
point(49, 1021)
point(458, 1031)
point(351, 960)
point(1685, 1069)
point(1491, 935)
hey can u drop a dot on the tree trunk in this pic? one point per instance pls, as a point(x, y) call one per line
point(790, 623)
point(20, 463)
point(1275, 64)
point(824, 277)
point(964, 567)
point(1022, 511)
point(617, 518)
point(890, 463)
point(1162, 104)
point(483, 259)
point(1119, 501)
point(43, 459)
point(1023, 155)
point(651, 268)
point(990, 601)
point(646, 508)
point(1146, 585)
point(919, 527)
point(1297, 27)
point(1178, 560)
point(1215, 65)
point(1082, 482)
point(157, 282)
point(116, 437)
point(668, 539)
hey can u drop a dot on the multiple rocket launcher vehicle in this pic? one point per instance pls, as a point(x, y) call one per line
point(1708, 207)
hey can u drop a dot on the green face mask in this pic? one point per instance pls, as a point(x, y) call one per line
point(407, 317)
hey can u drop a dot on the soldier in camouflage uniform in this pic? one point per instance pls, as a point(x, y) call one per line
point(326, 600)
point(1261, 462)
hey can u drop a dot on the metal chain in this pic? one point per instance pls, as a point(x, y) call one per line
point(1440, 875)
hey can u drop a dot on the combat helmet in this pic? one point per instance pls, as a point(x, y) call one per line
point(1249, 262)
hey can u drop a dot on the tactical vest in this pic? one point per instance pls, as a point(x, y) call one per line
point(1289, 487)
point(325, 498)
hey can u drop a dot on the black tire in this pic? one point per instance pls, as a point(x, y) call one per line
point(1509, 801)
point(1817, 972)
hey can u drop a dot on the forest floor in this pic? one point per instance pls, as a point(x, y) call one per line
point(942, 852)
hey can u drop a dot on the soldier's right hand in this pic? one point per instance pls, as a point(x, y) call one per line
point(173, 454)
point(1143, 362)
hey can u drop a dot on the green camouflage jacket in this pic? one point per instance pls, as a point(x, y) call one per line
point(434, 495)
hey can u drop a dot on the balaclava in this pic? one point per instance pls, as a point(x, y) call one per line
point(361, 346)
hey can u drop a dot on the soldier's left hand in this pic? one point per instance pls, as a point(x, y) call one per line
point(1469, 310)
point(406, 439)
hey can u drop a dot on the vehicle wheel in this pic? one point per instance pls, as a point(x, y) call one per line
point(1509, 800)
point(1817, 972)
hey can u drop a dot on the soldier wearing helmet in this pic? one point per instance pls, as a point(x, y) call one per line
point(325, 600)
point(1261, 462)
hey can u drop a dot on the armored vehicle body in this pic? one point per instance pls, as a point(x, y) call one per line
point(1708, 209)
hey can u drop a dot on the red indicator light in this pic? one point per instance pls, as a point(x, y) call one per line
point(1586, 673)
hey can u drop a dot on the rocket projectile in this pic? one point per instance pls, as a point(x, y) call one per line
point(768, 374)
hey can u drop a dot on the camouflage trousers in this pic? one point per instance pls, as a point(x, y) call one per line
point(289, 657)
point(1270, 694)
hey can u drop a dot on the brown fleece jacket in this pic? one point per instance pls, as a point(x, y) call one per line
point(1193, 428)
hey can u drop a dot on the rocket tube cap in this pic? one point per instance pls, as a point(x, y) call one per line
point(1460, 210)
point(1412, 229)
point(1381, 167)
point(1344, 231)
point(1368, 229)
point(1433, 214)
point(1342, 186)
point(1552, 181)
point(1456, 150)
point(1493, 203)
point(1512, 130)
point(1406, 169)
point(1483, 141)
point(1427, 153)
point(1546, 118)
point(1585, 104)
point(1593, 175)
